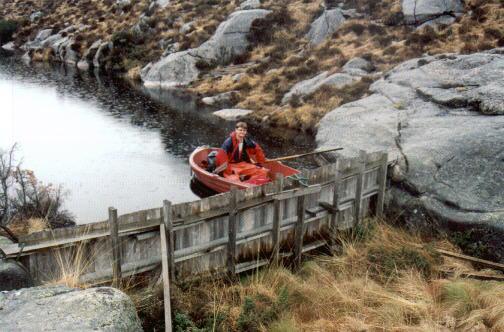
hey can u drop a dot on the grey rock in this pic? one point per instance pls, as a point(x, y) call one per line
point(43, 34)
point(186, 28)
point(445, 20)
point(442, 120)
point(171, 48)
point(10, 47)
point(87, 59)
point(26, 57)
point(419, 11)
point(325, 25)
point(162, 3)
point(222, 100)
point(237, 77)
point(13, 276)
point(307, 87)
point(228, 42)
point(101, 54)
point(351, 13)
point(358, 66)
point(59, 308)
point(250, 4)
point(232, 114)
point(35, 16)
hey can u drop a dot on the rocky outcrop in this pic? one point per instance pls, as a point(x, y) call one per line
point(13, 276)
point(87, 59)
point(442, 120)
point(325, 25)
point(420, 11)
point(351, 72)
point(232, 114)
point(59, 308)
point(358, 67)
point(225, 99)
point(229, 41)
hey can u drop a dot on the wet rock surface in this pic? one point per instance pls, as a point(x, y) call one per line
point(59, 308)
point(442, 120)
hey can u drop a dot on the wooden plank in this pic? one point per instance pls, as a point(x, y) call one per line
point(166, 276)
point(474, 275)
point(167, 221)
point(358, 190)
point(231, 248)
point(382, 182)
point(277, 219)
point(298, 192)
point(299, 231)
point(479, 261)
point(334, 212)
point(116, 248)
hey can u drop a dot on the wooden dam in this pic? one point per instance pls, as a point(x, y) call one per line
point(227, 233)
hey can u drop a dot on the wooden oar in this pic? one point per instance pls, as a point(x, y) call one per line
point(303, 154)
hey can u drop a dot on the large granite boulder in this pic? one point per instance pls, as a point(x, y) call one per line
point(59, 308)
point(351, 72)
point(13, 276)
point(442, 120)
point(325, 25)
point(229, 41)
point(419, 11)
point(232, 114)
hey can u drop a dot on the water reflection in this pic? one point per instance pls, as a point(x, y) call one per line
point(107, 142)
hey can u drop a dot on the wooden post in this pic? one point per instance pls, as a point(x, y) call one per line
point(358, 190)
point(299, 230)
point(165, 272)
point(168, 224)
point(333, 225)
point(382, 182)
point(116, 248)
point(231, 247)
point(277, 219)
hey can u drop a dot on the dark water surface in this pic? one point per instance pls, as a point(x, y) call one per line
point(108, 143)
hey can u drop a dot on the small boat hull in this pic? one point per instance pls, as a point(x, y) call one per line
point(221, 184)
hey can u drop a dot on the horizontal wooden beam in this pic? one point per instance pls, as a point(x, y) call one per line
point(298, 192)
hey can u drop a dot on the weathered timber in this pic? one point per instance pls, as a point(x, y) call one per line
point(266, 221)
point(116, 248)
point(277, 219)
point(299, 233)
point(231, 248)
point(165, 248)
point(358, 190)
point(382, 182)
point(167, 221)
point(298, 192)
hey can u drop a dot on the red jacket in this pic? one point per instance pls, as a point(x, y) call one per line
point(250, 150)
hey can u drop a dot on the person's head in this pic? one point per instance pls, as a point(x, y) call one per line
point(241, 130)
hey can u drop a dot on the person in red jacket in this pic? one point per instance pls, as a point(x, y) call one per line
point(240, 147)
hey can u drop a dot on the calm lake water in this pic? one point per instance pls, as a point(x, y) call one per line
point(108, 143)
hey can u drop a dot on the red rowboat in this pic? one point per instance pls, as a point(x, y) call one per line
point(220, 184)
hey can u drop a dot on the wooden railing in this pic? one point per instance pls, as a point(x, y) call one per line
point(227, 233)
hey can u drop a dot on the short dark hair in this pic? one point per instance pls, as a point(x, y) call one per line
point(241, 124)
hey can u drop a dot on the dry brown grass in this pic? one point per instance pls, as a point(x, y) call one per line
point(343, 293)
point(285, 58)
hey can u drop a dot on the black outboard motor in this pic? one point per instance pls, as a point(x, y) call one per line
point(212, 161)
